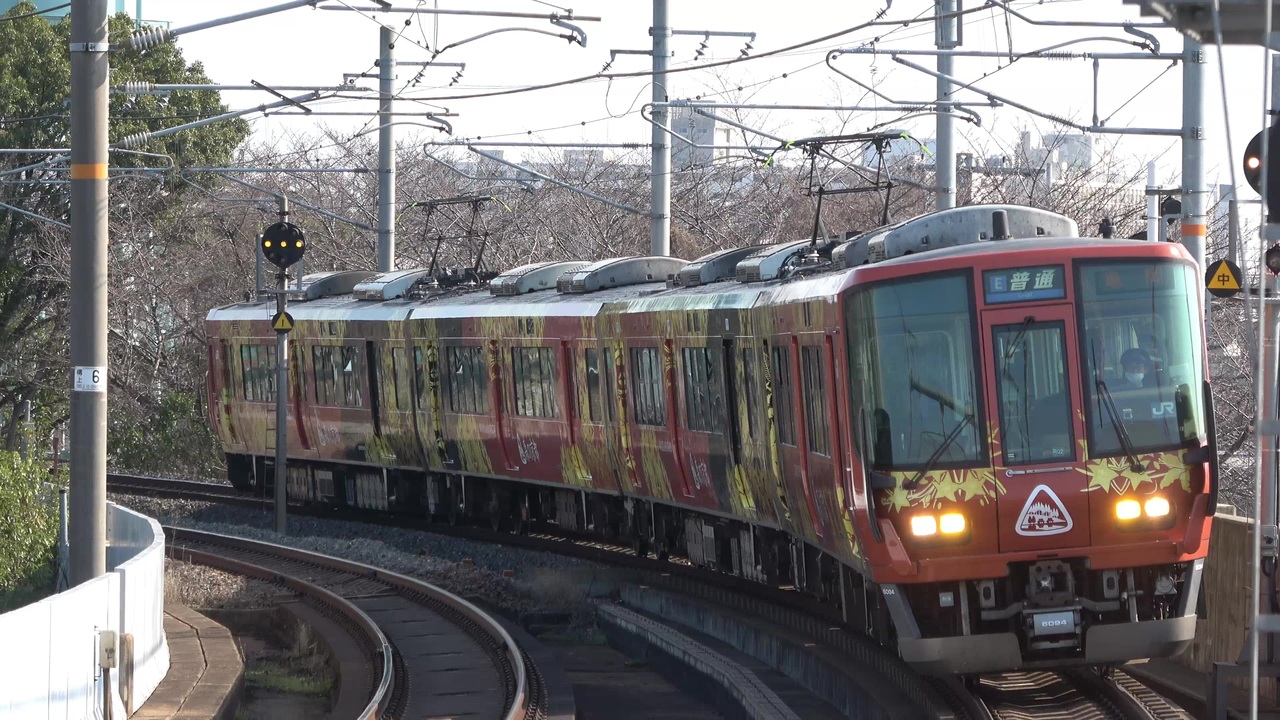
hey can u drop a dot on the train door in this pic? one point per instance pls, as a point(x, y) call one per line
point(1035, 430)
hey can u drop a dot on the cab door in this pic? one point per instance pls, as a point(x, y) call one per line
point(1035, 428)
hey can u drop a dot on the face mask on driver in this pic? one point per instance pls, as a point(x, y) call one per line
point(1134, 377)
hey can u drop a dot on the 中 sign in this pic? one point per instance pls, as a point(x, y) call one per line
point(282, 322)
point(1222, 279)
point(89, 379)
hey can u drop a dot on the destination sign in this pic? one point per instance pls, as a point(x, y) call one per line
point(1045, 282)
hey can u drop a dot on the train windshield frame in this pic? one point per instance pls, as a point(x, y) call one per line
point(1141, 354)
point(915, 376)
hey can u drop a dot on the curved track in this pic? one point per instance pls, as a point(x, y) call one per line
point(439, 656)
point(1011, 696)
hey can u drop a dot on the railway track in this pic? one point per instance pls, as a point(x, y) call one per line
point(1010, 696)
point(1077, 694)
point(429, 653)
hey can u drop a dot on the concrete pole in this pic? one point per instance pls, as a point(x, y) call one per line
point(90, 83)
point(1153, 205)
point(660, 202)
point(282, 411)
point(1195, 187)
point(386, 151)
point(945, 156)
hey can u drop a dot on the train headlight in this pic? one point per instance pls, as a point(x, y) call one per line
point(951, 523)
point(924, 525)
point(1157, 507)
point(1128, 509)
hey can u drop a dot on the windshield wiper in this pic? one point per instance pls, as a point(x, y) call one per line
point(1122, 432)
point(943, 446)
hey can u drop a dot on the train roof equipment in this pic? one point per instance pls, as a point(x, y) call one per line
point(329, 284)
point(532, 277)
point(960, 226)
point(767, 262)
point(716, 266)
point(619, 272)
point(390, 285)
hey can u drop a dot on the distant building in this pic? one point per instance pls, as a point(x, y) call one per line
point(132, 7)
point(1066, 149)
point(583, 157)
point(706, 142)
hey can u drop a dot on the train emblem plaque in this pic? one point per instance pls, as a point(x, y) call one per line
point(1044, 514)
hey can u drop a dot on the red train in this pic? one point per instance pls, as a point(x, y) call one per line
point(993, 453)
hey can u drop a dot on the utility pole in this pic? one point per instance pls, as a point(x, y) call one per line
point(945, 31)
point(386, 151)
point(660, 200)
point(90, 71)
point(1195, 189)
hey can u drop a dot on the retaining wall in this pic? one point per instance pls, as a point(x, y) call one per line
point(49, 664)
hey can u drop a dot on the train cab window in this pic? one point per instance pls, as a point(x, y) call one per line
point(258, 370)
point(913, 372)
point(467, 382)
point(1142, 348)
point(783, 402)
point(534, 381)
point(704, 389)
point(338, 370)
point(595, 399)
point(1031, 388)
point(815, 400)
point(648, 389)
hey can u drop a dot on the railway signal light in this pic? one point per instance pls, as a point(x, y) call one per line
point(283, 244)
point(1253, 167)
point(1272, 258)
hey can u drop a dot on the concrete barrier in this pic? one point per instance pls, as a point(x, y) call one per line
point(49, 668)
point(1229, 585)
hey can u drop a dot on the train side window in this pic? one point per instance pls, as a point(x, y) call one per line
point(647, 387)
point(815, 400)
point(703, 390)
point(258, 372)
point(533, 378)
point(338, 371)
point(398, 381)
point(750, 389)
point(783, 403)
point(466, 382)
point(595, 406)
point(609, 387)
point(225, 350)
point(419, 377)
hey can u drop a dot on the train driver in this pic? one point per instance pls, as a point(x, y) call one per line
point(1134, 365)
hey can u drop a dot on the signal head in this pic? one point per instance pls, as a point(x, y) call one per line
point(1253, 163)
point(1272, 259)
point(283, 244)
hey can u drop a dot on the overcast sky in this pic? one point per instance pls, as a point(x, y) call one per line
point(316, 46)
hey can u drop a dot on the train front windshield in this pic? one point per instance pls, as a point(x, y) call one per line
point(1142, 348)
point(914, 372)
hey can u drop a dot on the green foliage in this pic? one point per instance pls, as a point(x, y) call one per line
point(292, 677)
point(175, 440)
point(28, 530)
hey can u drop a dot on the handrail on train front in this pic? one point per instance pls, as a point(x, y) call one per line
point(492, 627)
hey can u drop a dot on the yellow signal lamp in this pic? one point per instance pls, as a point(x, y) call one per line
point(1128, 510)
point(924, 525)
point(951, 523)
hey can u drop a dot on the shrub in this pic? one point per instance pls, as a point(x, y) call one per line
point(28, 530)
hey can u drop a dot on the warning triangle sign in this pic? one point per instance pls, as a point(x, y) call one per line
point(1044, 514)
point(282, 322)
point(1223, 278)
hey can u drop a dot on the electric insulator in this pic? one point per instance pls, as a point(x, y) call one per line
point(137, 87)
point(150, 37)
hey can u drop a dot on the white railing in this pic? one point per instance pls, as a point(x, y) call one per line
point(49, 665)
